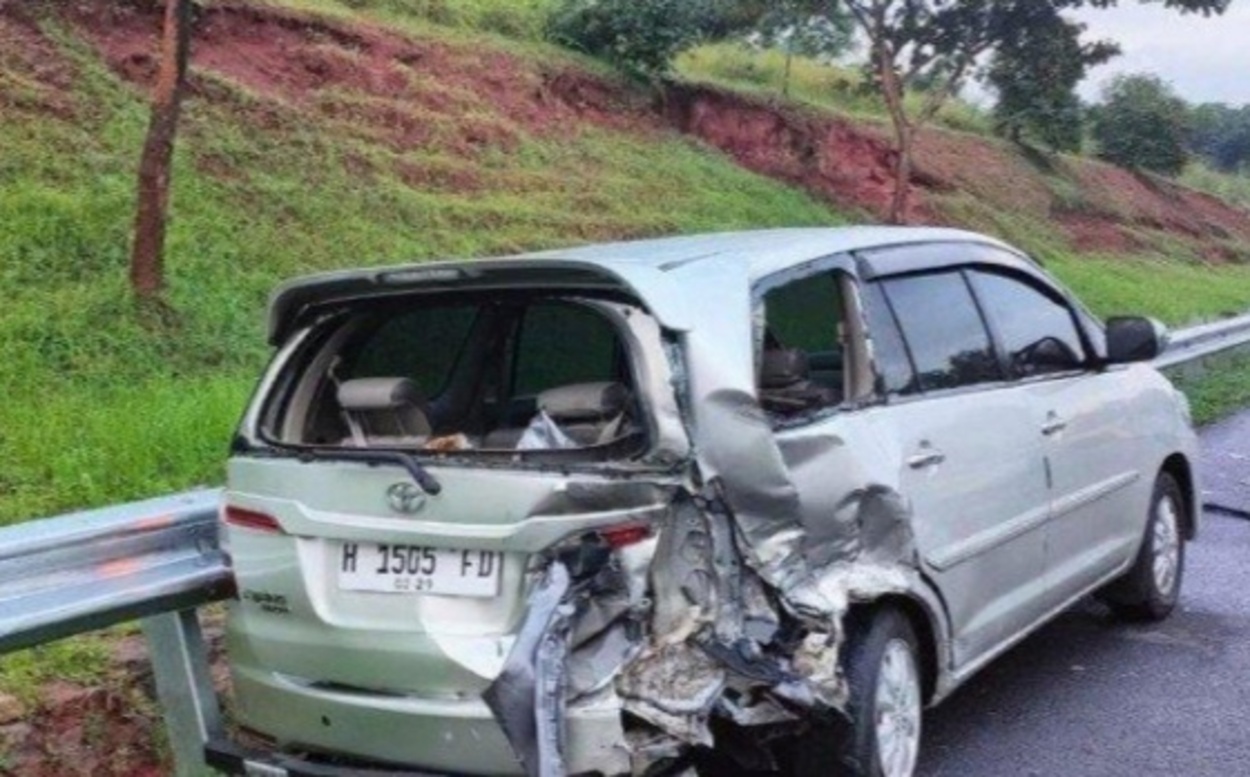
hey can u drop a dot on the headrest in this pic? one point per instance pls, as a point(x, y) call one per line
point(783, 367)
point(584, 401)
point(371, 394)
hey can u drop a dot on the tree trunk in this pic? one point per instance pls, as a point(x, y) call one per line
point(147, 270)
point(902, 177)
point(904, 133)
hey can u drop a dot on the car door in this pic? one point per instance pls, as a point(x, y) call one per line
point(1085, 423)
point(970, 456)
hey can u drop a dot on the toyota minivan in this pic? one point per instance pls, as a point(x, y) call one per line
point(747, 500)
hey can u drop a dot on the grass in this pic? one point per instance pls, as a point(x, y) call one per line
point(1221, 390)
point(1233, 187)
point(1167, 281)
point(828, 87)
point(80, 660)
point(104, 406)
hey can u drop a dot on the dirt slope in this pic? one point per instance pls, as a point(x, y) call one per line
point(471, 101)
point(418, 93)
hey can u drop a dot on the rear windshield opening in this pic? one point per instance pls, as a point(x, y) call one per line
point(511, 375)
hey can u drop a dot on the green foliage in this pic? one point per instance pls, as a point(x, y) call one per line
point(816, 29)
point(639, 36)
point(1035, 71)
point(813, 83)
point(519, 19)
point(1141, 124)
point(80, 660)
point(1220, 135)
point(102, 406)
point(1231, 187)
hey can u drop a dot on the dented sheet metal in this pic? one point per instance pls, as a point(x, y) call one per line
point(734, 609)
point(527, 698)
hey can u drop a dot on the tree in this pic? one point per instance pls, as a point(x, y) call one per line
point(642, 37)
point(1035, 71)
point(147, 261)
point(938, 42)
point(1220, 134)
point(818, 29)
point(1142, 125)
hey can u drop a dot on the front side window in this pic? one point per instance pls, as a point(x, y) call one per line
point(945, 334)
point(894, 370)
point(1037, 330)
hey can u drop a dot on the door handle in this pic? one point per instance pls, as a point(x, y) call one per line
point(928, 457)
point(1054, 425)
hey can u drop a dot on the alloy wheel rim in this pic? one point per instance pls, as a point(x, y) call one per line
point(898, 711)
point(1166, 546)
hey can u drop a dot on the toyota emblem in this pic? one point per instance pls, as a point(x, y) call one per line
point(405, 498)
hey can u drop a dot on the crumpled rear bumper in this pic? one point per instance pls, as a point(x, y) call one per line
point(435, 736)
point(229, 758)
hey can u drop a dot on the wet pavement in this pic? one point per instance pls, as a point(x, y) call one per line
point(1088, 695)
point(1226, 467)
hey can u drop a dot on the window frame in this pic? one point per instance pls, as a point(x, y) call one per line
point(1051, 292)
point(997, 352)
point(843, 267)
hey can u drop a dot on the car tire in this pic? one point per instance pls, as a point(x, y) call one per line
point(880, 736)
point(1150, 589)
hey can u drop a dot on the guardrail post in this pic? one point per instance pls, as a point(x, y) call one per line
point(180, 665)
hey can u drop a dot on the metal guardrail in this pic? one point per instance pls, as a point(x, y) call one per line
point(1196, 342)
point(158, 560)
point(155, 560)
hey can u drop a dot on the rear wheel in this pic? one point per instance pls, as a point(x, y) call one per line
point(1150, 589)
point(881, 737)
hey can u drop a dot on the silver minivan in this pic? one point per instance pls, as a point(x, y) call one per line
point(687, 505)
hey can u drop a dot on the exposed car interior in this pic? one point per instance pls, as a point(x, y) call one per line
point(518, 373)
point(811, 356)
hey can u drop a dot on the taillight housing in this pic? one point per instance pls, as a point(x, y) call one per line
point(250, 519)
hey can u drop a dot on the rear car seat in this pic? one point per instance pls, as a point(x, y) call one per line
point(383, 411)
point(589, 413)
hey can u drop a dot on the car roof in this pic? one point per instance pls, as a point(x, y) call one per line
point(763, 252)
point(640, 263)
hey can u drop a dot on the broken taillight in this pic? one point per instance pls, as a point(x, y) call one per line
point(621, 536)
point(250, 519)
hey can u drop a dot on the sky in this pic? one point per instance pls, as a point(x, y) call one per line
point(1206, 59)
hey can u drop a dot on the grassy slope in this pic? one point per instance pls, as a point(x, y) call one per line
point(102, 408)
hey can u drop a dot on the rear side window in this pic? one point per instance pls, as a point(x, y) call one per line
point(423, 345)
point(805, 314)
point(943, 330)
point(562, 344)
point(801, 362)
point(1037, 331)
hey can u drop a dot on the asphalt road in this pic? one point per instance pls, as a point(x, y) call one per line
point(1088, 695)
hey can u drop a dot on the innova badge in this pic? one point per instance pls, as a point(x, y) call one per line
point(405, 498)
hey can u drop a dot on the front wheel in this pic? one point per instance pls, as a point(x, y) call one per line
point(1150, 589)
point(881, 737)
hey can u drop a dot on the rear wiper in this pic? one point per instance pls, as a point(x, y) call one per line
point(408, 461)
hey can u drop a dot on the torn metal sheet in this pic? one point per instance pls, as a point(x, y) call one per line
point(674, 687)
point(527, 698)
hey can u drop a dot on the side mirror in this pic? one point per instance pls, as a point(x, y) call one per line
point(1134, 339)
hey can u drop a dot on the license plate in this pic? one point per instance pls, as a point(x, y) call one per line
point(394, 568)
